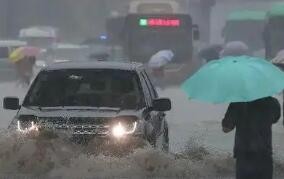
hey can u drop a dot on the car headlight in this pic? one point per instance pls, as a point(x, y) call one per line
point(120, 130)
point(26, 127)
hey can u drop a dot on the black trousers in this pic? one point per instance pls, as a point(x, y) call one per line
point(254, 167)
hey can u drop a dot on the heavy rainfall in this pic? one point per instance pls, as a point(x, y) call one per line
point(141, 88)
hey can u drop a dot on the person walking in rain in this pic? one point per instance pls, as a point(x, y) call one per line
point(24, 59)
point(24, 69)
point(212, 52)
point(253, 121)
point(242, 81)
point(253, 139)
point(157, 65)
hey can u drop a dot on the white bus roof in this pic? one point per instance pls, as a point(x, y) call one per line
point(134, 6)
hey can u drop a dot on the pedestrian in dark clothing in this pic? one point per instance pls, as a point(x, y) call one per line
point(253, 139)
point(211, 52)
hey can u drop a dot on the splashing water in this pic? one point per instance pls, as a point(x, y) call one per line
point(58, 158)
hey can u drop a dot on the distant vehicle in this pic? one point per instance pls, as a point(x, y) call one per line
point(98, 45)
point(111, 101)
point(274, 31)
point(63, 52)
point(7, 46)
point(39, 36)
point(246, 26)
point(7, 71)
point(69, 51)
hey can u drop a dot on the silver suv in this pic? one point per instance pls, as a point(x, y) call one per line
point(107, 100)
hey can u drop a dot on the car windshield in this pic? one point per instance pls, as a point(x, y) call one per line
point(94, 88)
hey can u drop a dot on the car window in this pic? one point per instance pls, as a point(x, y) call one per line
point(147, 93)
point(153, 91)
point(148, 87)
point(96, 88)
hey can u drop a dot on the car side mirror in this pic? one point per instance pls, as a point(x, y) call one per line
point(11, 103)
point(196, 33)
point(162, 104)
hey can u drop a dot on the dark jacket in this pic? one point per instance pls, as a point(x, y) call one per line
point(253, 122)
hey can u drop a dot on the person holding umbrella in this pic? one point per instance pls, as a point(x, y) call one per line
point(157, 65)
point(24, 60)
point(247, 83)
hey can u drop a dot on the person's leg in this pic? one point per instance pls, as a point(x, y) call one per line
point(265, 167)
point(243, 170)
point(246, 168)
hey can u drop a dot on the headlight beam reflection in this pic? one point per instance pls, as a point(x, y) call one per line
point(119, 131)
point(33, 127)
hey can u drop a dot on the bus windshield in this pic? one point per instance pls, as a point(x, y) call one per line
point(150, 42)
point(146, 35)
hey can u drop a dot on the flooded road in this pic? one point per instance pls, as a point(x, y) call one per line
point(198, 147)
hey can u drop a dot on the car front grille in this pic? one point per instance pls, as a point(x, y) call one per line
point(77, 125)
point(87, 120)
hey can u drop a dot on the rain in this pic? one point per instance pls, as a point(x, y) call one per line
point(90, 60)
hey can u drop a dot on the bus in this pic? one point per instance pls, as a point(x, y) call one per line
point(151, 26)
point(274, 31)
point(39, 36)
point(146, 34)
point(246, 26)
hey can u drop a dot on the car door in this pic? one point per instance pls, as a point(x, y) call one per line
point(155, 118)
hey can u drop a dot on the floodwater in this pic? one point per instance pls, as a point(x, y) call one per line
point(199, 149)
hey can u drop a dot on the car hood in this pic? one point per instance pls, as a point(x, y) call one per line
point(78, 112)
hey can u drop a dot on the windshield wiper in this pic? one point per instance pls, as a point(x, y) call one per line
point(34, 107)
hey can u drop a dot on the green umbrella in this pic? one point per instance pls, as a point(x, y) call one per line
point(235, 79)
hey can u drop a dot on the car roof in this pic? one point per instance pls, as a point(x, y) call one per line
point(131, 66)
point(5, 43)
